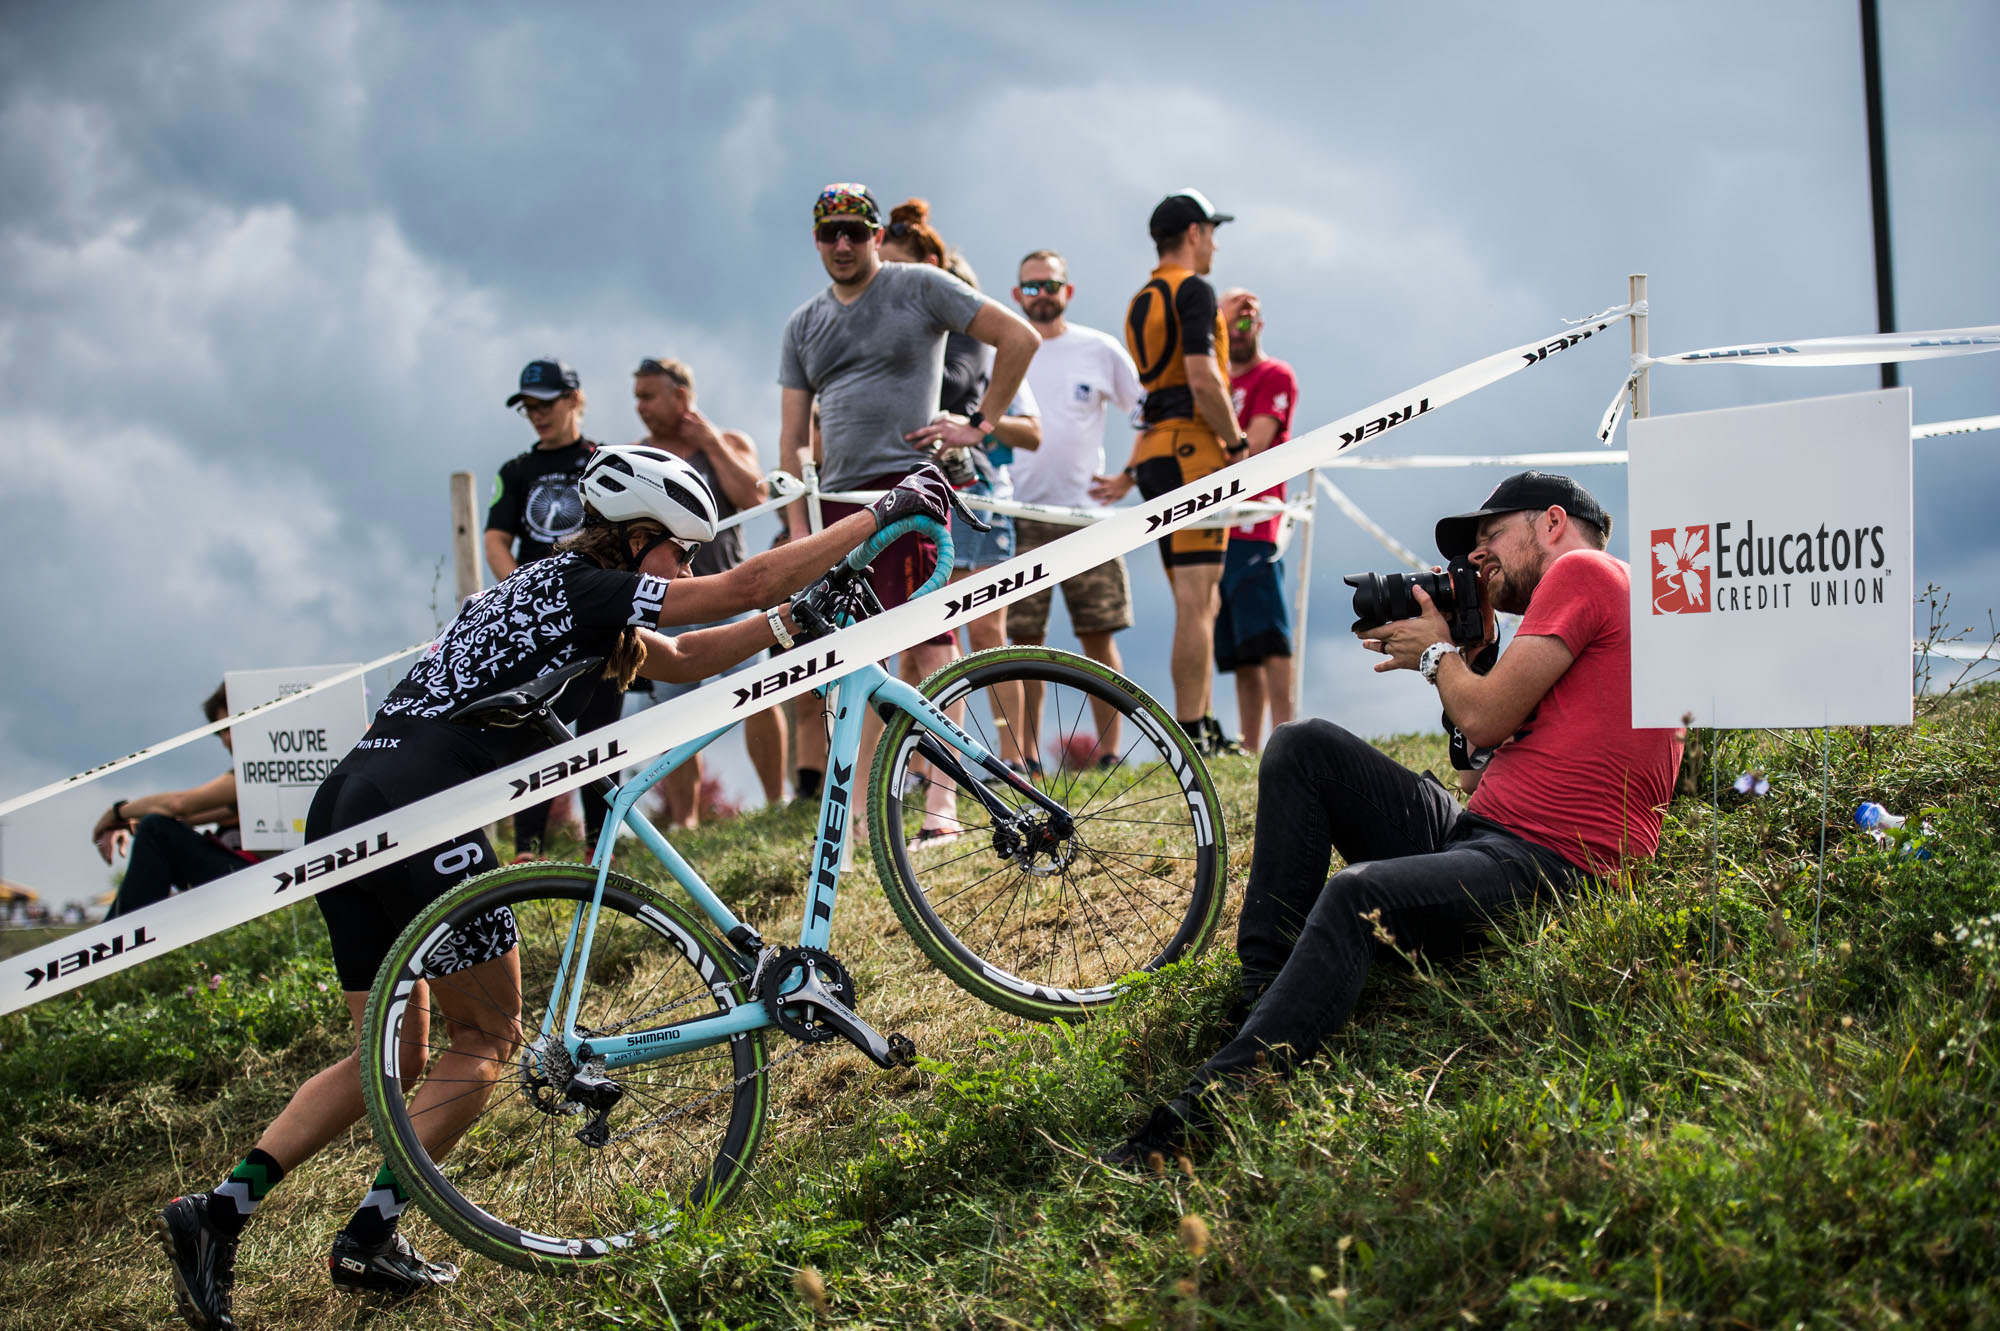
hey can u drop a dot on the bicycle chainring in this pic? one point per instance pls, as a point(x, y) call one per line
point(801, 1020)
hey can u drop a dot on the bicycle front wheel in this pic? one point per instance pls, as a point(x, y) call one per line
point(1040, 913)
point(546, 1166)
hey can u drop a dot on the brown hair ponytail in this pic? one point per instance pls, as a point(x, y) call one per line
point(610, 544)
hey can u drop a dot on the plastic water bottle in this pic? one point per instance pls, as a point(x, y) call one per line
point(1878, 822)
point(1872, 817)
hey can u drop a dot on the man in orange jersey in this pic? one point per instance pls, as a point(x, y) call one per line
point(1177, 340)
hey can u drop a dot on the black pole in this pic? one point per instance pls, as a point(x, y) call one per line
point(1878, 180)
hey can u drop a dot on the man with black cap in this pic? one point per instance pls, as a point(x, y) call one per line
point(535, 505)
point(1570, 791)
point(1177, 340)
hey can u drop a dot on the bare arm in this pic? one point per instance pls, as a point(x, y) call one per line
point(735, 459)
point(500, 552)
point(207, 798)
point(1263, 429)
point(764, 578)
point(1014, 342)
point(687, 658)
point(1023, 432)
point(1489, 708)
point(794, 439)
point(1211, 399)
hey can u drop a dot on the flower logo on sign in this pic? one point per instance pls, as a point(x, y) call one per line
point(1681, 567)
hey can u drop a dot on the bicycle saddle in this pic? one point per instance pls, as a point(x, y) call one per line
point(519, 706)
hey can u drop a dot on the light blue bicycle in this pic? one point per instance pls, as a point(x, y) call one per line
point(636, 1030)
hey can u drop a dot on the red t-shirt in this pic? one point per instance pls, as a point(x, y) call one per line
point(1268, 388)
point(1576, 777)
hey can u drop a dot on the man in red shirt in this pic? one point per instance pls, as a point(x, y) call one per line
point(1253, 627)
point(1570, 792)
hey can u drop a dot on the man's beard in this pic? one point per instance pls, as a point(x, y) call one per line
point(1043, 310)
point(1516, 589)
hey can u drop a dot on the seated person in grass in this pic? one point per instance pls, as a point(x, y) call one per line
point(158, 831)
point(1568, 791)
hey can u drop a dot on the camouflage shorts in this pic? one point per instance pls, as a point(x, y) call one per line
point(1099, 599)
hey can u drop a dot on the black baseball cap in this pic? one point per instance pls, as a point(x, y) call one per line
point(546, 380)
point(1519, 493)
point(1182, 208)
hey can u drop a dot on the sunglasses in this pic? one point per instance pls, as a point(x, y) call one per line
point(535, 406)
point(1046, 287)
point(687, 550)
point(832, 233)
point(1246, 322)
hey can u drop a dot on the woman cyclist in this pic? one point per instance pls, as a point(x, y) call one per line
point(646, 513)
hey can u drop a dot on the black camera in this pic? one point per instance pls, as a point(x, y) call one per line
point(1383, 598)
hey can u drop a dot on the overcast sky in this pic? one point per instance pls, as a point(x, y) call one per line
point(268, 271)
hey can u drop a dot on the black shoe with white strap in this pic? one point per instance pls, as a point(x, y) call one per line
point(391, 1268)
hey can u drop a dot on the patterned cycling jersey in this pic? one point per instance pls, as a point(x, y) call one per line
point(1174, 316)
point(540, 618)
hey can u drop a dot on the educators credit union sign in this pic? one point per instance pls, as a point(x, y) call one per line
point(1771, 564)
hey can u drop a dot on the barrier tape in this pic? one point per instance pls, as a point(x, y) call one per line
point(106, 948)
point(1860, 349)
point(784, 488)
point(91, 774)
point(1369, 525)
point(1970, 425)
point(1960, 651)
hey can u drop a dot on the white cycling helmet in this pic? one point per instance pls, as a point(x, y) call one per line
point(624, 482)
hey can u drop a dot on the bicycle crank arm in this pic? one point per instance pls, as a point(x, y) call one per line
point(947, 762)
point(888, 1051)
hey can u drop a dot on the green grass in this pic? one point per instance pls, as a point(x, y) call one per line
point(1604, 1119)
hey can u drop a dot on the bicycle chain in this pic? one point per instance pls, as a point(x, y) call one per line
point(592, 1033)
point(669, 1115)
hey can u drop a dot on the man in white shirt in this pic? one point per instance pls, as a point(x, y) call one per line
point(1075, 373)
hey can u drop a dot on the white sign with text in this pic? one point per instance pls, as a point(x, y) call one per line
point(282, 755)
point(1771, 564)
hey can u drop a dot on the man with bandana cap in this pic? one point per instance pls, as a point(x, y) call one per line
point(868, 352)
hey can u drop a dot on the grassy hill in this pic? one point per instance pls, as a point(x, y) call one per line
point(1662, 1105)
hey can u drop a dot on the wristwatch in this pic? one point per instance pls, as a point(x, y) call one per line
point(977, 420)
point(1433, 657)
point(1238, 448)
point(776, 620)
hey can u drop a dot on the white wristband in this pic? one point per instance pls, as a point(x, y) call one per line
point(778, 630)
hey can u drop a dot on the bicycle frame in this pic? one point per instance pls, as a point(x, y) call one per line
point(945, 743)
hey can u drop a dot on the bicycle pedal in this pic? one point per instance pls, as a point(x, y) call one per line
point(903, 1050)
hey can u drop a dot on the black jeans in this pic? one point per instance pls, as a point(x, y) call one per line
point(166, 854)
point(1438, 874)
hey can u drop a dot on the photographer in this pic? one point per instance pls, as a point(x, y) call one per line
point(1569, 791)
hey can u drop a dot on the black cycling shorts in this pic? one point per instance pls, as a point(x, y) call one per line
point(364, 917)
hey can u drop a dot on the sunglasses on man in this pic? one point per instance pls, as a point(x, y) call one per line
point(535, 406)
point(1048, 286)
point(832, 233)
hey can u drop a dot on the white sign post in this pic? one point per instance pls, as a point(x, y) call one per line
point(1772, 579)
point(283, 755)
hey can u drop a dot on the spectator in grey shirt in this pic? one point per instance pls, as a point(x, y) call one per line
point(869, 350)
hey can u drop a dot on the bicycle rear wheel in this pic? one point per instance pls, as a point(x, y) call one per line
point(520, 1185)
point(1032, 918)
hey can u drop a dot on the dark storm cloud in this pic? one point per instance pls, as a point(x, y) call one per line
point(267, 271)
